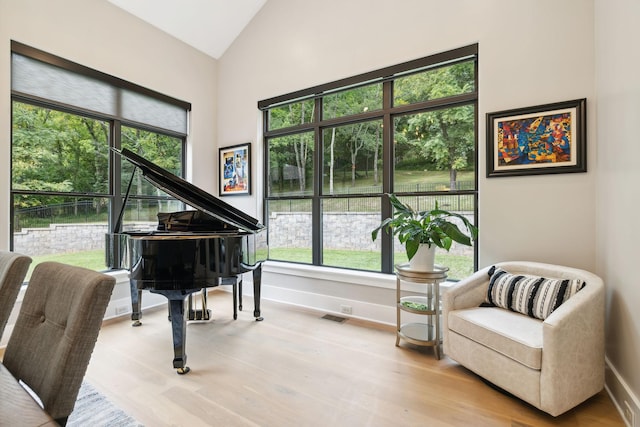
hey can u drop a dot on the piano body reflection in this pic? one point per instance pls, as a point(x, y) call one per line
point(190, 251)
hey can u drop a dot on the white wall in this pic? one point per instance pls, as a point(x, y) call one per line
point(99, 35)
point(531, 52)
point(618, 113)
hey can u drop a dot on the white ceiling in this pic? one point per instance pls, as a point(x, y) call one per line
point(208, 25)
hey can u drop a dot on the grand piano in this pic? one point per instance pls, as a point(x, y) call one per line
point(191, 250)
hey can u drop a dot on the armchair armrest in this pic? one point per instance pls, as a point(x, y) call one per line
point(469, 292)
point(573, 359)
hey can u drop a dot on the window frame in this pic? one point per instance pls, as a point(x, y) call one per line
point(116, 187)
point(387, 114)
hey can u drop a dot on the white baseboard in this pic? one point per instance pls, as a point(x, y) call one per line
point(120, 304)
point(621, 394)
point(331, 305)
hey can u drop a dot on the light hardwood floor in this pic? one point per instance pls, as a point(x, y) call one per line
point(296, 368)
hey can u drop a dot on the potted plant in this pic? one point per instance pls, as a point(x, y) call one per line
point(426, 230)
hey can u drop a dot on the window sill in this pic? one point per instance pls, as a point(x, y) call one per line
point(342, 275)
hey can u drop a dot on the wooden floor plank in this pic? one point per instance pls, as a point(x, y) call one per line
point(296, 368)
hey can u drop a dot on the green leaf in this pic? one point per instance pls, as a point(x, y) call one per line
point(454, 233)
point(412, 247)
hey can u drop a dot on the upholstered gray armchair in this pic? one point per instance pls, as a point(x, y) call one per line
point(56, 331)
point(505, 324)
point(13, 269)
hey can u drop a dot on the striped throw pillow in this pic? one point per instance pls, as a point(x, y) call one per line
point(531, 295)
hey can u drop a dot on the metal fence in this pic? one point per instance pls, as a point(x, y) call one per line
point(81, 211)
point(451, 202)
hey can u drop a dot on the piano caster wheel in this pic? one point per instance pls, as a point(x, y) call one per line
point(136, 323)
point(182, 371)
point(259, 319)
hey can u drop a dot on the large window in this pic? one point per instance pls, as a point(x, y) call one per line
point(334, 151)
point(67, 185)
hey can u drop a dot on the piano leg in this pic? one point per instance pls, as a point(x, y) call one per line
point(179, 331)
point(257, 282)
point(178, 327)
point(136, 300)
point(234, 290)
point(233, 281)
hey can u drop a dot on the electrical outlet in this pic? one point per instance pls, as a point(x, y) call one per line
point(121, 310)
point(346, 309)
point(629, 415)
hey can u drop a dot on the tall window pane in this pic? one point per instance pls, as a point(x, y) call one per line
point(346, 237)
point(58, 155)
point(290, 237)
point(291, 165)
point(145, 199)
point(352, 155)
point(165, 151)
point(61, 228)
point(459, 258)
point(56, 151)
point(435, 150)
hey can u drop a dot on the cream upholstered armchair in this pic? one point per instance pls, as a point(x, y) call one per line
point(507, 324)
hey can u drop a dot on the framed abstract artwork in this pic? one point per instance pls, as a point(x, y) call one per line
point(235, 170)
point(536, 140)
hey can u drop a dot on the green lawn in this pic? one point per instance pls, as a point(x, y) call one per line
point(93, 260)
point(459, 266)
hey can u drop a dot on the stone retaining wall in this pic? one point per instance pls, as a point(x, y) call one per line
point(59, 238)
point(348, 230)
point(342, 230)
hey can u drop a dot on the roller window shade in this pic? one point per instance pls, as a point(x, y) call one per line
point(45, 81)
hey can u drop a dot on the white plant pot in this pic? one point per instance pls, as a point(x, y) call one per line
point(424, 259)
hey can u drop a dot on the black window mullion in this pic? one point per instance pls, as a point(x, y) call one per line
point(316, 203)
point(387, 175)
point(115, 171)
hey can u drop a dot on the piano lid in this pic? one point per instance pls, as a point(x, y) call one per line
point(190, 194)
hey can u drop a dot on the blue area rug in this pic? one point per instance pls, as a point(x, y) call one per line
point(94, 410)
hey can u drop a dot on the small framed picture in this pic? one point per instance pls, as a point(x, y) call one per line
point(235, 170)
point(543, 139)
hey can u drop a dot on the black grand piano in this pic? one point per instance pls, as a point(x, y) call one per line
point(190, 251)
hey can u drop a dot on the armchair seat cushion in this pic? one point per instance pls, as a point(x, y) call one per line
point(511, 334)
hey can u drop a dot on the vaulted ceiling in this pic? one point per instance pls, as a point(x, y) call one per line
point(210, 26)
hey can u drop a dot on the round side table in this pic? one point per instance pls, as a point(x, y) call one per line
point(426, 304)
